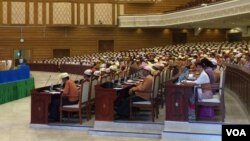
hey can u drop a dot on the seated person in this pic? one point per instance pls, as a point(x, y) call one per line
point(204, 92)
point(204, 81)
point(70, 96)
point(209, 68)
point(184, 74)
point(137, 93)
point(87, 74)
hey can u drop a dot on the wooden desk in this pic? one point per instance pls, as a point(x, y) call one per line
point(40, 102)
point(105, 101)
point(177, 101)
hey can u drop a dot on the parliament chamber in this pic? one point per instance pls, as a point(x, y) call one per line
point(158, 70)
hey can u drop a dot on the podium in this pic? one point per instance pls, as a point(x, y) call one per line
point(104, 103)
point(107, 98)
point(39, 107)
point(40, 102)
point(177, 101)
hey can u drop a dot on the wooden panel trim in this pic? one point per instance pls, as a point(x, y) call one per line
point(1, 12)
point(44, 13)
point(36, 12)
point(27, 11)
point(85, 14)
point(92, 14)
point(113, 14)
point(8, 12)
point(72, 13)
point(50, 13)
point(78, 13)
point(118, 11)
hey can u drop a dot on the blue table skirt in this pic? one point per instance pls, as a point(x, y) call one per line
point(22, 72)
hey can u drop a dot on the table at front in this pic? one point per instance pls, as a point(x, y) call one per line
point(177, 101)
point(15, 90)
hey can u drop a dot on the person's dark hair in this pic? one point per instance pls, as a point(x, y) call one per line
point(188, 66)
point(201, 64)
point(212, 55)
point(207, 63)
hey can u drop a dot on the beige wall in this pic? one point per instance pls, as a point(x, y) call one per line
point(43, 26)
point(41, 40)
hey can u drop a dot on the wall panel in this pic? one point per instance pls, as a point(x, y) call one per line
point(5, 53)
point(31, 13)
point(42, 40)
point(40, 13)
point(207, 35)
point(18, 12)
point(103, 14)
point(5, 12)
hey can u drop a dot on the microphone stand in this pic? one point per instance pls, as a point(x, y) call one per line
point(47, 80)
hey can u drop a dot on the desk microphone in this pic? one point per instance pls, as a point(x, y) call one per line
point(47, 80)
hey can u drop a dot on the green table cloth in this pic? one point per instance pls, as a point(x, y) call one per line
point(16, 90)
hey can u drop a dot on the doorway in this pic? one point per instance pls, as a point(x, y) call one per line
point(60, 53)
point(179, 37)
point(23, 54)
point(105, 46)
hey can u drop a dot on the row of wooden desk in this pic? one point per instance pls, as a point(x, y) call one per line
point(177, 99)
point(105, 101)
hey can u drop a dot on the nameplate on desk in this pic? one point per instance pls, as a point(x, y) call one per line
point(52, 92)
point(130, 82)
point(117, 88)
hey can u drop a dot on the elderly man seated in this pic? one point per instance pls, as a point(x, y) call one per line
point(137, 93)
point(70, 96)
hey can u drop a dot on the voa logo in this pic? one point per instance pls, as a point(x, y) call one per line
point(236, 132)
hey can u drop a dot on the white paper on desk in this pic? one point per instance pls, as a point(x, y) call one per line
point(131, 83)
point(117, 88)
point(188, 81)
point(59, 89)
point(55, 92)
point(47, 91)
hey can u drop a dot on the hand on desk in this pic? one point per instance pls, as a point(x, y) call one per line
point(130, 92)
point(186, 82)
point(59, 89)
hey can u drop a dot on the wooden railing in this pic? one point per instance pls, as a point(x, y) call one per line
point(238, 81)
point(69, 68)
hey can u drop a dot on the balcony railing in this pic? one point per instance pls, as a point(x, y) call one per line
point(225, 9)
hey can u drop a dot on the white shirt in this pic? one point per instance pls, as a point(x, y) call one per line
point(202, 79)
